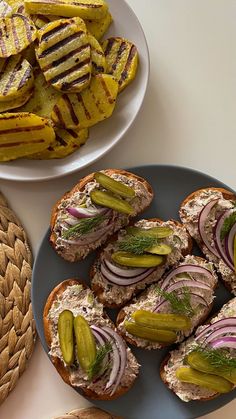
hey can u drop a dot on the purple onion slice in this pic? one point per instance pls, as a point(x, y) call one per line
point(225, 342)
point(217, 238)
point(230, 330)
point(201, 225)
point(229, 321)
point(188, 268)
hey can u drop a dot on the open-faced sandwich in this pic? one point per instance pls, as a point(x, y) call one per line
point(98, 206)
point(84, 345)
point(204, 366)
point(138, 256)
point(210, 217)
point(171, 309)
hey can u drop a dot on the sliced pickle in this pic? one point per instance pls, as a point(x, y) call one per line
point(153, 335)
point(137, 261)
point(66, 336)
point(160, 249)
point(106, 199)
point(210, 381)
point(86, 346)
point(157, 232)
point(114, 186)
point(197, 361)
point(235, 253)
point(161, 321)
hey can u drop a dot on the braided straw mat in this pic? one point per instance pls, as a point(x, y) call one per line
point(88, 413)
point(17, 327)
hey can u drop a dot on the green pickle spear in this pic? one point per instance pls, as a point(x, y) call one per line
point(197, 361)
point(106, 199)
point(210, 381)
point(157, 232)
point(114, 186)
point(86, 346)
point(160, 249)
point(66, 337)
point(137, 261)
point(152, 335)
point(161, 321)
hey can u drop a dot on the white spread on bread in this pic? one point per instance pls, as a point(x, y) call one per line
point(189, 214)
point(186, 391)
point(117, 294)
point(149, 300)
point(115, 221)
point(81, 301)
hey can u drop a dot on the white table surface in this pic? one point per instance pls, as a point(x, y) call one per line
point(188, 119)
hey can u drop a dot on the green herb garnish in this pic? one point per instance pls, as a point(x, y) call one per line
point(97, 366)
point(227, 225)
point(137, 244)
point(218, 358)
point(179, 305)
point(84, 226)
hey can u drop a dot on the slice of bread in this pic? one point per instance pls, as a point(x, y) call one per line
point(80, 247)
point(189, 212)
point(115, 296)
point(75, 296)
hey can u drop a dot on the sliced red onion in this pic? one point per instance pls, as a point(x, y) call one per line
point(189, 284)
point(193, 297)
point(188, 268)
point(161, 306)
point(225, 342)
point(229, 244)
point(80, 212)
point(217, 238)
point(229, 321)
point(100, 339)
point(123, 358)
point(201, 225)
point(122, 272)
point(123, 281)
point(219, 332)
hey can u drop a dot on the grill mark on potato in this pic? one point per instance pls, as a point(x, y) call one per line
point(20, 129)
point(98, 68)
point(108, 94)
point(124, 74)
point(24, 78)
point(38, 141)
point(68, 85)
point(59, 116)
point(27, 25)
point(71, 109)
point(80, 100)
point(60, 140)
point(89, 6)
point(15, 36)
point(119, 55)
point(68, 71)
point(60, 44)
point(109, 46)
point(11, 78)
point(72, 133)
point(53, 31)
point(2, 44)
point(70, 54)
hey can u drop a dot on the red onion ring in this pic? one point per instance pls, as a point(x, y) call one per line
point(229, 321)
point(189, 284)
point(225, 342)
point(188, 268)
point(80, 212)
point(229, 244)
point(122, 272)
point(201, 225)
point(220, 332)
point(193, 296)
point(115, 279)
point(217, 238)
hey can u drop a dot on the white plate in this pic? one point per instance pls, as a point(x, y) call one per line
point(106, 134)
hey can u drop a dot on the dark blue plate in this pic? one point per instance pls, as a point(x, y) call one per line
point(149, 398)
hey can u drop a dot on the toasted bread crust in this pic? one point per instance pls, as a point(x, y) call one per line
point(98, 288)
point(59, 365)
point(80, 187)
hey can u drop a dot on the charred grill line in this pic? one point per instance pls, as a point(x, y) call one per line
point(15, 36)
point(20, 129)
point(119, 55)
point(68, 85)
point(60, 44)
point(80, 100)
point(70, 54)
point(60, 140)
point(108, 95)
point(11, 78)
point(71, 109)
point(68, 71)
point(124, 73)
point(24, 78)
point(89, 6)
point(53, 31)
point(109, 46)
point(98, 68)
point(59, 116)
point(2, 44)
point(72, 133)
point(40, 140)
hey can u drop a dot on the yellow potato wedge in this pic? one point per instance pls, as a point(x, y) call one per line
point(97, 56)
point(122, 60)
point(18, 6)
point(22, 134)
point(16, 78)
point(44, 97)
point(92, 105)
point(17, 33)
point(5, 9)
point(64, 55)
point(98, 28)
point(66, 143)
point(87, 9)
point(16, 103)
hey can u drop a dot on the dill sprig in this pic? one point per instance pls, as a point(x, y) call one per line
point(96, 366)
point(228, 224)
point(218, 358)
point(180, 305)
point(84, 226)
point(137, 244)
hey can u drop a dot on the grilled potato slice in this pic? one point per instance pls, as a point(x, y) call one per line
point(17, 32)
point(5, 9)
point(98, 28)
point(64, 55)
point(22, 134)
point(41, 20)
point(16, 103)
point(87, 9)
point(92, 105)
point(97, 56)
point(66, 142)
point(44, 97)
point(122, 60)
point(16, 77)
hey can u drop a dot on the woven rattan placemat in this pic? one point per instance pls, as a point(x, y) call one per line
point(88, 413)
point(17, 328)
